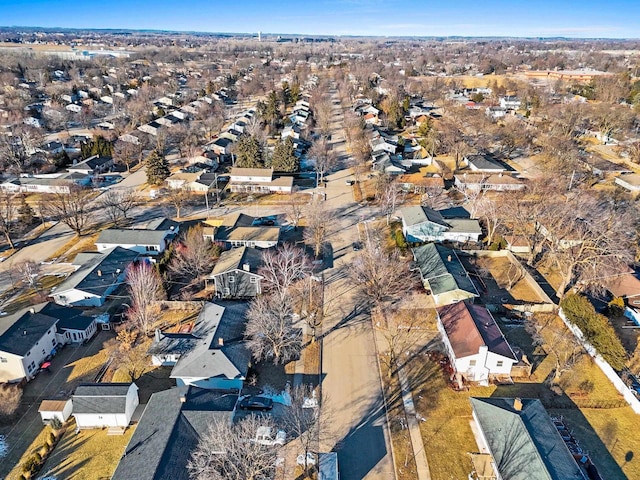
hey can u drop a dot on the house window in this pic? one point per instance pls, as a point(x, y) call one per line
point(44, 352)
point(472, 363)
point(253, 280)
point(227, 292)
point(3, 360)
point(53, 342)
point(499, 363)
point(232, 279)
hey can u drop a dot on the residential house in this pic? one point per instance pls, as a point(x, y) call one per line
point(152, 128)
point(55, 183)
point(510, 102)
point(423, 224)
point(517, 244)
point(98, 275)
point(495, 112)
point(476, 182)
point(142, 241)
point(99, 405)
point(239, 230)
point(73, 325)
point(522, 439)
point(483, 163)
point(221, 146)
point(188, 181)
point(92, 166)
point(235, 274)
point(475, 345)
point(212, 354)
point(27, 338)
point(443, 274)
point(50, 409)
point(630, 181)
point(169, 431)
point(259, 180)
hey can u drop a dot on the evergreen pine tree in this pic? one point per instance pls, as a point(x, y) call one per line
point(157, 168)
point(25, 212)
point(284, 159)
point(249, 152)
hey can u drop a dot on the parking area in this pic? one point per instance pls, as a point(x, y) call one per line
point(74, 364)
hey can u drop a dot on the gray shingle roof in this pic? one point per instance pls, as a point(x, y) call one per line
point(235, 258)
point(524, 443)
point(100, 398)
point(209, 359)
point(441, 267)
point(98, 271)
point(417, 215)
point(69, 318)
point(20, 331)
point(485, 162)
point(125, 236)
point(169, 430)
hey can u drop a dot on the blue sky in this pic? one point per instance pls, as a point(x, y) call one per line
point(586, 18)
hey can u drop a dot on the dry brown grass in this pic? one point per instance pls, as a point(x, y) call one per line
point(499, 267)
point(89, 455)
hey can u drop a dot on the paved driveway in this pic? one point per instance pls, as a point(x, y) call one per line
point(47, 385)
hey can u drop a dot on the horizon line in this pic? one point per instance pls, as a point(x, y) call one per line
point(327, 35)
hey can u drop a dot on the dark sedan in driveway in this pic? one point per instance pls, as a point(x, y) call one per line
point(256, 403)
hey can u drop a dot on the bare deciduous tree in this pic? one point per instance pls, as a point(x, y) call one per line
point(323, 156)
point(179, 198)
point(118, 203)
point(295, 207)
point(127, 153)
point(145, 288)
point(28, 270)
point(129, 353)
point(390, 196)
point(194, 255)
point(319, 218)
point(556, 340)
point(283, 267)
point(381, 275)
point(270, 332)
point(71, 208)
point(8, 210)
point(228, 451)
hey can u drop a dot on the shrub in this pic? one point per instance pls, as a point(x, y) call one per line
point(37, 456)
point(596, 329)
point(51, 438)
point(400, 240)
point(10, 396)
point(31, 465)
point(616, 306)
point(56, 423)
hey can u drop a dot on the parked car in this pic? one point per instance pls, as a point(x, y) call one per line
point(350, 182)
point(256, 403)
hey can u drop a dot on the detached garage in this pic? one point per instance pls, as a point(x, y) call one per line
point(98, 405)
point(50, 409)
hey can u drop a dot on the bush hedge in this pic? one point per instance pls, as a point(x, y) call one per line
point(596, 329)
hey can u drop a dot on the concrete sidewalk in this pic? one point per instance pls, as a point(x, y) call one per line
point(414, 428)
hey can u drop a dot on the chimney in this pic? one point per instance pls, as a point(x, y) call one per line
point(32, 311)
point(246, 267)
point(24, 333)
point(221, 342)
point(517, 404)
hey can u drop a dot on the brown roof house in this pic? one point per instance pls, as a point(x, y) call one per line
point(475, 344)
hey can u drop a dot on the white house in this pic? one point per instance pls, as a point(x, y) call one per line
point(99, 405)
point(50, 409)
point(258, 180)
point(143, 241)
point(510, 102)
point(27, 338)
point(98, 275)
point(475, 345)
point(423, 224)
